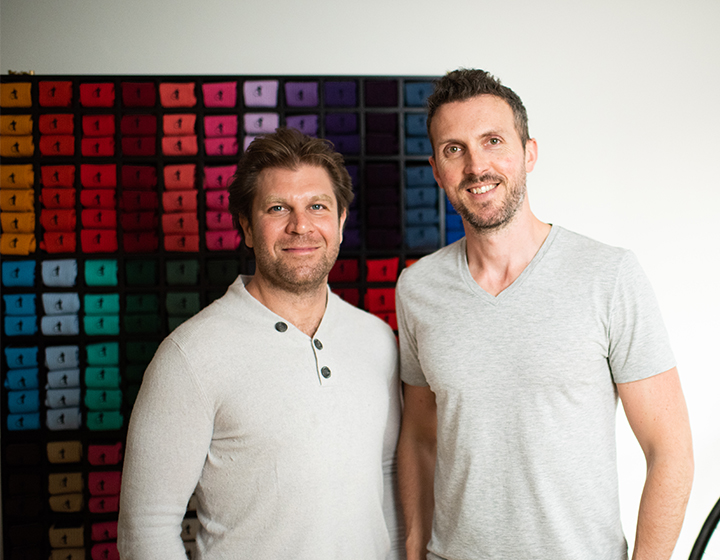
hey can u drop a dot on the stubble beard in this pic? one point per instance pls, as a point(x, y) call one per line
point(503, 216)
point(296, 278)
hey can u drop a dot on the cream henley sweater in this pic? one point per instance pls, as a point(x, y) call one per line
point(289, 441)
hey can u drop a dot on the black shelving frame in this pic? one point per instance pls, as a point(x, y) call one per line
point(207, 290)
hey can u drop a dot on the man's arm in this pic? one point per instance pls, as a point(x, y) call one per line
point(391, 493)
point(168, 440)
point(416, 467)
point(655, 408)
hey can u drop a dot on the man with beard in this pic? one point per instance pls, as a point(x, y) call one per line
point(516, 342)
point(278, 404)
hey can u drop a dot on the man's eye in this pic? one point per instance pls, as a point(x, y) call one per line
point(494, 141)
point(276, 208)
point(317, 206)
point(452, 149)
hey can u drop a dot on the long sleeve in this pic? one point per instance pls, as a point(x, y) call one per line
point(391, 497)
point(168, 439)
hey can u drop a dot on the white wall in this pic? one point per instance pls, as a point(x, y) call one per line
point(623, 98)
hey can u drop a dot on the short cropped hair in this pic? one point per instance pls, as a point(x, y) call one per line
point(286, 148)
point(466, 83)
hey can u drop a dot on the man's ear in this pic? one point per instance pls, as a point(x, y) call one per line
point(431, 159)
point(343, 218)
point(531, 154)
point(247, 230)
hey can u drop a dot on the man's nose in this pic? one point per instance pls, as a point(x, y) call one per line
point(299, 223)
point(476, 162)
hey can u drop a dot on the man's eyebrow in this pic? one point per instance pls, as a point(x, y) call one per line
point(276, 199)
point(272, 200)
point(446, 141)
point(482, 135)
point(325, 197)
point(493, 132)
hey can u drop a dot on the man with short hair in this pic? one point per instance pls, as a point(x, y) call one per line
point(278, 404)
point(516, 342)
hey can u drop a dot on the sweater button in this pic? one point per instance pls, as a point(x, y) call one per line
point(280, 326)
point(318, 344)
point(325, 372)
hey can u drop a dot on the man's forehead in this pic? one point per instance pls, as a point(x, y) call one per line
point(480, 111)
point(275, 197)
point(317, 173)
point(486, 103)
point(486, 100)
point(306, 182)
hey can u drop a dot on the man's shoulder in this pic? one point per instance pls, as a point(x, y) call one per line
point(363, 339)
point(210, 324)
point(578, 246)
point(435, 264)
point(360, 320)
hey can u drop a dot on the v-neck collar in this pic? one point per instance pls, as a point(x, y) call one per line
point(467, 277)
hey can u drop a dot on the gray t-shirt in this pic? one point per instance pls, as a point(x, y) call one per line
point(526, 400)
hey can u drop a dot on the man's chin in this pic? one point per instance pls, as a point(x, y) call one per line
point(300, 279)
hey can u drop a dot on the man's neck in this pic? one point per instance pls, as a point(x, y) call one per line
point(305, 310)
point(497, 258)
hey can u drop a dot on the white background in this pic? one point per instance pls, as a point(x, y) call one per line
point(623, 98)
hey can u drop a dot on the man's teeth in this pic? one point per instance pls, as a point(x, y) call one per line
point(483, 189)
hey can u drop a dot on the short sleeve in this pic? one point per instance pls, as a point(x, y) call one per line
point(639, 345)
point(410, 368)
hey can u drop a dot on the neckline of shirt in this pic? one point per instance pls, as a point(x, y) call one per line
point(512, 288)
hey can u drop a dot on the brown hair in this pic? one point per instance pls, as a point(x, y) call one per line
point(465, 83)
point(286, 148)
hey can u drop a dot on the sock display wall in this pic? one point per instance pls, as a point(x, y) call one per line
point(113, 207)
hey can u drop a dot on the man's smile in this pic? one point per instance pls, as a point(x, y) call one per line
point(483, 189)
